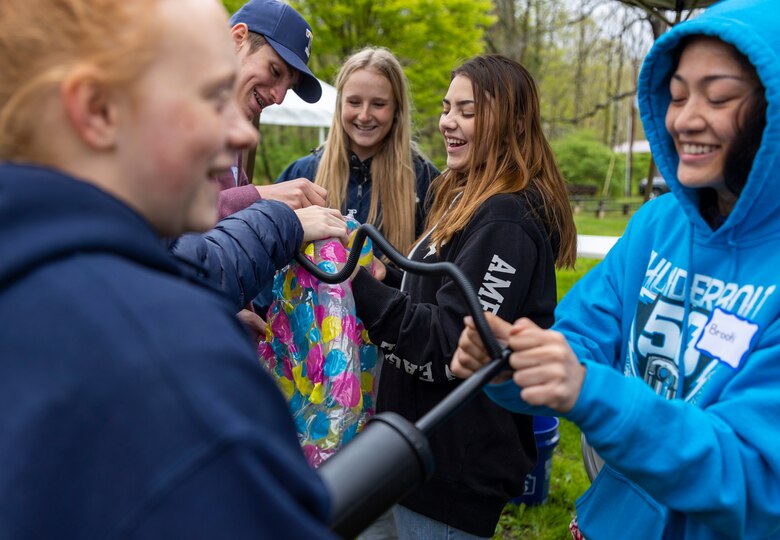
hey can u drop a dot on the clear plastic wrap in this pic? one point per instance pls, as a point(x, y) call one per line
point(318, 351)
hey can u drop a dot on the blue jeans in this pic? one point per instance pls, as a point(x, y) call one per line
point(414, 526)
point(381, 529)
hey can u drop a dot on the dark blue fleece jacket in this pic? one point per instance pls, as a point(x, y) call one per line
point(131, 402)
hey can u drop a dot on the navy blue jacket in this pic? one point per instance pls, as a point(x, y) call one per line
point(243, 251)
point(131, 402)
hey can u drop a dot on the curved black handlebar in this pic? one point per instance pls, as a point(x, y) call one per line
point(471, 386)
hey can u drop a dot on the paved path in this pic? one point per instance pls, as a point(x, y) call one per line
point(594, 247)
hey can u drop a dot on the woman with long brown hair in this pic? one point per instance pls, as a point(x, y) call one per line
point(501, 213)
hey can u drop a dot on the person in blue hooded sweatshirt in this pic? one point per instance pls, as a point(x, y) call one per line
point(132, 404)
point(667, 354)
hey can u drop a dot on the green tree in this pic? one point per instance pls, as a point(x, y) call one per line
point(581, 55)
point(232, 5)
point(429, 37)
point(583, 159)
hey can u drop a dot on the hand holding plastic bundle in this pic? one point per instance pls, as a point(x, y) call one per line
point(319, 352)
point(392, 456)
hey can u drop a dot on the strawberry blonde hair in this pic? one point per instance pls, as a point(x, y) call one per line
point(42, 40)
point(511, 155)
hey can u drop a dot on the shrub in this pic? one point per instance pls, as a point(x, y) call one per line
point(582, 159)
point(585, 160)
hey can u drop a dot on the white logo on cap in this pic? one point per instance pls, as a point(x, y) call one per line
point(309, 36)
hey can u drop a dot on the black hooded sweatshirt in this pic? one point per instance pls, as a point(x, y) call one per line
point(484, 452)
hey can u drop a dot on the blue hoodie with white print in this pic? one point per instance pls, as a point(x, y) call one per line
point(679, 328)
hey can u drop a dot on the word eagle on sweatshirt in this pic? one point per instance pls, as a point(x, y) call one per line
point(424, 372)
point(490, 291)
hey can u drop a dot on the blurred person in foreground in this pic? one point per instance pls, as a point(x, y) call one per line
point(126, 415)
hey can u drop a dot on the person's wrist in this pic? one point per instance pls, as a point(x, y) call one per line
point(502, 377)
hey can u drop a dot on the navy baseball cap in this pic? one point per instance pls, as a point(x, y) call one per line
point(288, 33)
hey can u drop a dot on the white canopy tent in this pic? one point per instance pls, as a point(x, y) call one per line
point(295, 112)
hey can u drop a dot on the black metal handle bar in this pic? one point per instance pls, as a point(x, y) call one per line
point(471, 386)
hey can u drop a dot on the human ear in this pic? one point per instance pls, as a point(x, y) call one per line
point(90, 107)
point(240, 32)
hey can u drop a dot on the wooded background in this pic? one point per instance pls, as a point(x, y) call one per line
point(584, 54)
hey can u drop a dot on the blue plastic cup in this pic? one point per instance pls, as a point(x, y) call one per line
point(537, 483)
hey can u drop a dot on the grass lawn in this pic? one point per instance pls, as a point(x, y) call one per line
point(550, 521)
point(612, 224)
point(569, 480)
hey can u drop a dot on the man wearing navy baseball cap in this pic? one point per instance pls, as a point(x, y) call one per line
point(273, 44)
point(290, 39)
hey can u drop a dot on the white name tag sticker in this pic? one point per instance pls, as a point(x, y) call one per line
point(726, 337)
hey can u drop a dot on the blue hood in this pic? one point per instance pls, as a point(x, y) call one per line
point(46, 216)
point(757, 36)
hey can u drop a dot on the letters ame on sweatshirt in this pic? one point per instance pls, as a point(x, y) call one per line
point(484, 452)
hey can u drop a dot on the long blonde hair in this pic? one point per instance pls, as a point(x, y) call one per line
point(393, 178)
point(511, 154)
point(42, 40)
